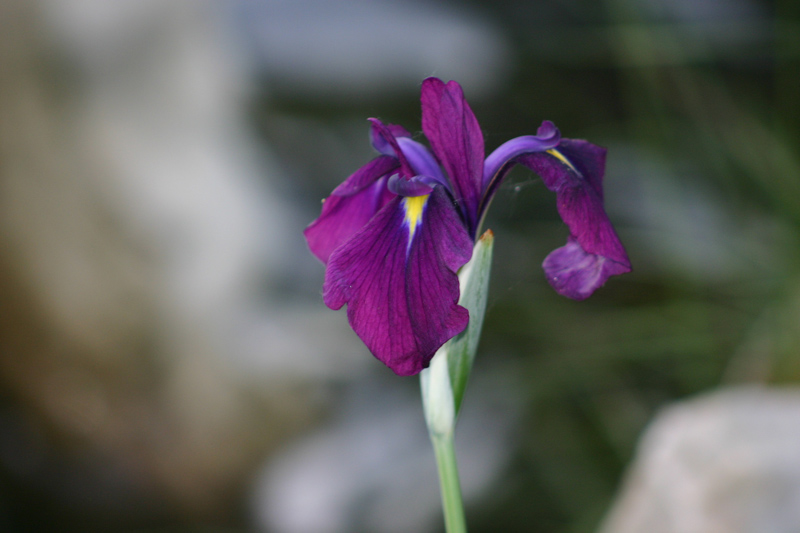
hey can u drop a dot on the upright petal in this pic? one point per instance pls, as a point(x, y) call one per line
point(574, 171)
point(350, 207)
point(456, 139)
point(398, 278)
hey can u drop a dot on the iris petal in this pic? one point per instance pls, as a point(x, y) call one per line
point(421, 160)
point(576, 274)
point(546, 137)
point(380, 141)
point(574, 171)
point(456, 139)
point(343, 216)
point(367, 175)
point(398, 278)
point(388, 145)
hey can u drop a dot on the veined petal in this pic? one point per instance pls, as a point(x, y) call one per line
point(343, 216)
point(350, 206)
point(398, 278)
point(574, 171)
point(455, 136)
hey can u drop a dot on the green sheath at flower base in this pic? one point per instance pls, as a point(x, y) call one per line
point(444, 382)
point(474, 281)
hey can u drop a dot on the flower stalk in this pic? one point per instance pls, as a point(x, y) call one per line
point(452, 504)
point(444, 381)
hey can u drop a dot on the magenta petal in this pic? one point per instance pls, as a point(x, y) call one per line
point(388, 145)
point(574, 171)
point(402, 299)
point(456, 139)
point(380, 141)
point(576, 274)
point(367, 175)
point(343, 216)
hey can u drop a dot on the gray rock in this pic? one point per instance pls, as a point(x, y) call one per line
point(727, 462)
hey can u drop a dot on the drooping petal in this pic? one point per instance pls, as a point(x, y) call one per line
point(574, 171)
point(576, 274)
point(351, 205)
point(398, 278)
point(455, 136)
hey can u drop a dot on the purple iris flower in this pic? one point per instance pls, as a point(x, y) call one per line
point(395, 233)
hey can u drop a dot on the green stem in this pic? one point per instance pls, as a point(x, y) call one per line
point(444, 448)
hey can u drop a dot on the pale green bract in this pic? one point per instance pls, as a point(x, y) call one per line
point(444, 381)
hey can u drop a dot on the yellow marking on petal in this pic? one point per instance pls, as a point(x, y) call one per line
point(558, 155)
point(414, 205)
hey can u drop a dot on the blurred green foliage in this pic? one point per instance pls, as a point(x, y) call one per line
point(711, 104)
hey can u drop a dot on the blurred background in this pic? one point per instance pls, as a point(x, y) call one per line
point(166, 361)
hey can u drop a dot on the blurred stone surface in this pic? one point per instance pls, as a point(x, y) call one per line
point(726, 462)
point(151, 355)
point(141, 239)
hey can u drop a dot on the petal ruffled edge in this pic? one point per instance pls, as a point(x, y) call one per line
point(576, 274)
point(397, 276)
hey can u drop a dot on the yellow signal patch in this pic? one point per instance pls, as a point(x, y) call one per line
point(414, 205)
point(558, 155)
